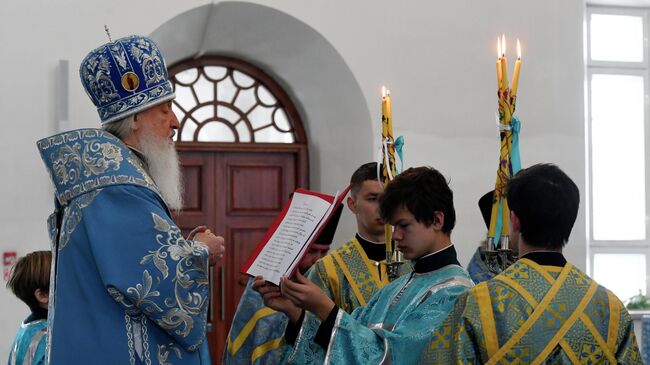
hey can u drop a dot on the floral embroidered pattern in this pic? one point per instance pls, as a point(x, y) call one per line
point(189, 274)
point(71, 163)
point(129, 308)
point(140, 168)
point(142, 295)
point(165, 350)
point(95, 73)
point(72, 216)
point(83, 160)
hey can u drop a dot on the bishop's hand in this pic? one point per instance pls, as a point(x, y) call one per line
point(215, 245)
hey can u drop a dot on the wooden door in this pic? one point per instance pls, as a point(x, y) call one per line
point(237, 193)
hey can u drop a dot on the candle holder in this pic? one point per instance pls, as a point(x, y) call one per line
point(393, 263)
point(498, 259)
point(498, 253)
point(388, 173)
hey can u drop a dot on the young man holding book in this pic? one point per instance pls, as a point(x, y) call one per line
point(397, 322)
point(352, 274)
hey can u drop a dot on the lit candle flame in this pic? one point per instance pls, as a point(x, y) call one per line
point(383, 91)
point(518, 49)
point(503, 45)
point(499, 53)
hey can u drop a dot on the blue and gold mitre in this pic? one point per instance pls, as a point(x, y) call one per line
point(125, 76)
point(84, 160)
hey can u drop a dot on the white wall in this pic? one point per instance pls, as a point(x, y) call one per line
point(438, 58)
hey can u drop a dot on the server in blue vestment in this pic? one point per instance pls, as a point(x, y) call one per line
point(398, 321)
point(30, 282)
point(352, 274)
point(256, 331)
point(127, 287)
point(541, 309)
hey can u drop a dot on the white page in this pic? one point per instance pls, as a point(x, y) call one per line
point(288, 240)
point(316, 229)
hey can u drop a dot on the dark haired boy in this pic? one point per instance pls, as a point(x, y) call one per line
point(396, 324)
point(541, 309)
point(30, 282)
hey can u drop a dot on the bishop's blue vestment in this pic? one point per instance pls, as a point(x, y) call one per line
point(126, 287)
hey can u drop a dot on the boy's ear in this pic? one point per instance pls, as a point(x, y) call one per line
point(42, 297)
point(352, 204)
point(438, 220)
point(515, 223)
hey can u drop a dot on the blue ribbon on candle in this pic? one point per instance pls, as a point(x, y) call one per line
point(399, 146)
point(515, 158)
point(515, 165)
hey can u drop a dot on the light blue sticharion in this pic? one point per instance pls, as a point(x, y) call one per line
point(29, 344)
point(394, 327)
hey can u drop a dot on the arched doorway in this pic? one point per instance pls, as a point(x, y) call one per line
point(243, 150)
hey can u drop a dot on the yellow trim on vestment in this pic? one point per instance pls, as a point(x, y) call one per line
point(569, 352)
point(519, 289)
point(533, 317)
point(614, 321)
point(265, 347)
point(583, 317)
point(568, 323)
point(370, 265)
point(590, 326)
point(235, 345)
point(351, 279)
point(487, 318)
point(541, 269)
point(332, 278)
point(550, 268)
point(533, 303)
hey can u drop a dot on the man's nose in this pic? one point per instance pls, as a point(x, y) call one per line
point(174, 122)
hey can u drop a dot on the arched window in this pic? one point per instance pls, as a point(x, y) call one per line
point(221, 99)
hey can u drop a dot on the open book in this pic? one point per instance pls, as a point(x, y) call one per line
point(287, 240)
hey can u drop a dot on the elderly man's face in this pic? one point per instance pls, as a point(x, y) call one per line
point(160, 121)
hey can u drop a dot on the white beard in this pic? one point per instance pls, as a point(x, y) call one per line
point(164, 168)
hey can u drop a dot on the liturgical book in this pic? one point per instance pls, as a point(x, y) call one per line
point(287, 240)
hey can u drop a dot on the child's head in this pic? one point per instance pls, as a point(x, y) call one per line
point(422, 191)
point(30, 279)
point(420, 205)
